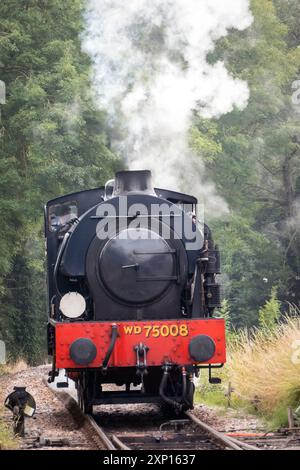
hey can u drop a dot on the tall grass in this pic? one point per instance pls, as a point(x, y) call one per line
point(263, 365)
point(13, 368)
point(264, 368)
point(7, 440)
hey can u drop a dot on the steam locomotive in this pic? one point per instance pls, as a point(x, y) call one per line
point(132, 288)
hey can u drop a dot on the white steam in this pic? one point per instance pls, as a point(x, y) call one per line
point(151, 72)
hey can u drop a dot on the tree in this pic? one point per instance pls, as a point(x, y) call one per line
point(269, 314)
point(258, 166)
point(53, 141)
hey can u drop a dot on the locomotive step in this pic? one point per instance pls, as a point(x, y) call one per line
point(62, 385)
point(121, 397)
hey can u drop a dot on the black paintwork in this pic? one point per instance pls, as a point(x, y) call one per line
point(83, 351)
point(202, 348)
point(74, 263)
point(122, 279)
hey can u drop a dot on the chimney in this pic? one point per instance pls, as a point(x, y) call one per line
point(135, 181)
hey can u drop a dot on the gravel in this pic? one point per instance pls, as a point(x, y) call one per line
point(51, 420)
point(228, 420)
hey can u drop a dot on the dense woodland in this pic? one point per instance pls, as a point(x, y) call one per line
point(54, 140)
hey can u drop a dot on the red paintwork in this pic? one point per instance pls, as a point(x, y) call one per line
point(173, 349)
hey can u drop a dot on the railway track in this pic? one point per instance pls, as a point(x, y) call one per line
point(114, 429)
point(186, 433)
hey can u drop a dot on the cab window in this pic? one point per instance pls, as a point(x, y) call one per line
point(60, 214)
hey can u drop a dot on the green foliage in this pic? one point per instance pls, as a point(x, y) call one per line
point(269, 314)
point(224, 312)
point(53, 141)
point(7, 441)
point(257, 169)
point(203, 140)
point(211, 396)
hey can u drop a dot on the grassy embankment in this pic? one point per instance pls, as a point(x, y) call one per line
point(263, 368)
point(7, 440)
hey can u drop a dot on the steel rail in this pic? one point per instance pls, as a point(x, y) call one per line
point(86, 421)
point(225, 440)
point(243, 444)
point(101, 434)
point(114, 443)
point(118, 443)
point(229, 442)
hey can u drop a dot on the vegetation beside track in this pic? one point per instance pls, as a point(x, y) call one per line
point(7, 440)
point(54, 140)
point(263, 369)
point(13, 367)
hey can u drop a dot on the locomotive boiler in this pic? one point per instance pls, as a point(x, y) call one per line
point(132, 289)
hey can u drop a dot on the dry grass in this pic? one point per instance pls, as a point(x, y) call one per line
point(264, 367)
point(7, 440)
point(13, 368)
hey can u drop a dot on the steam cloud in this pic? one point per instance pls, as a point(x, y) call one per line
point(150, 72)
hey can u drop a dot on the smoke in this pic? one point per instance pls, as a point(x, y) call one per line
point(150, 72)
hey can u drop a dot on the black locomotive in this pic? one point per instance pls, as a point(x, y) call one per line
point(132, 289)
